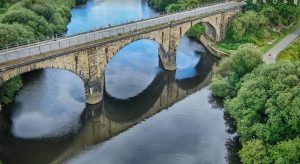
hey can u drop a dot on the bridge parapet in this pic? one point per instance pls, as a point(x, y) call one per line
point(88, 54)
point(61, 43)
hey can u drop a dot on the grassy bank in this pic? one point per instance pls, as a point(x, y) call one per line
point(262, 98)
point(230, 46)
point(292, 53)
point(264, 102)
point(263, 25)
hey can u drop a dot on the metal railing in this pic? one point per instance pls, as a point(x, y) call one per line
point(39, 46)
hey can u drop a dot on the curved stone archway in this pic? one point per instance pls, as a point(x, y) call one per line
point(89, 60)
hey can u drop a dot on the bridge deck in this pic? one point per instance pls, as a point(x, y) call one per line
point(31, 50)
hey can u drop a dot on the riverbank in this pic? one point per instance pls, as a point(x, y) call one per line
point(263, 25)
point(256, 95)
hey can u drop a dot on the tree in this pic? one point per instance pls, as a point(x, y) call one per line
point(231, 70)
point(15, 32)
point(8, 90)
point(268, 102)
point(248, 26)
point(286, 152)
point(28, 18)
point(160, 5)
point(254, 152)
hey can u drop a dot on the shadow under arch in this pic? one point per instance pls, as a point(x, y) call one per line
point(210, 30)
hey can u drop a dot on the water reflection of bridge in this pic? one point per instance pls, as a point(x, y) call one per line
point(112, 117)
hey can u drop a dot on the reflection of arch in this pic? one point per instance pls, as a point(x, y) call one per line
point(203, 70)
point(106, 121)
point(135, 107)
point(127, 110)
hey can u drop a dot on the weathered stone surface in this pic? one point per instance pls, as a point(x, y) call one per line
point(89, 61)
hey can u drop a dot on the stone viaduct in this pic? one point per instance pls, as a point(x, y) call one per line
point(112, 117)
point(87, 54)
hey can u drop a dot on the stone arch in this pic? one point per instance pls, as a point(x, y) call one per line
point(157, 38)
point(55, 64)
point(136, 39)
point(211, 31)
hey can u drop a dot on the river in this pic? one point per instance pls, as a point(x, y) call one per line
point(148, 115)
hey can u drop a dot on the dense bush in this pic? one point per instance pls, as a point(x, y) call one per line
point(8, 90)
point(279, 13)
point(175, 5)
point(30, 19)
point(196, 31)
point(267, 105)
point(264, 100)
point(249, 26)
point(267, 109)
point(13, 32)
point(227, 81)
point(43, 17)
point(160, 5)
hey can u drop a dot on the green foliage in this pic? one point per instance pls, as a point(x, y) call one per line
point(266, 105)
point(174, 8)
point(249, 27)
point(283, 13)
point(43, 17)
point(28, 18)
point(175, 5)
point(160, 5)
point(227, 81)
point(14, 32)
point(196, 31)
point(292, 53)
point(286, 152)
point(8, 90)
point(23, 20)
point(267, 108)
point(254, 152)
point(261, 23)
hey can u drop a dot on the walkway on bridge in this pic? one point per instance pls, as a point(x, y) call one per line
point(38, 48)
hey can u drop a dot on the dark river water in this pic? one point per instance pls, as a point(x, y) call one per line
point(148, 115)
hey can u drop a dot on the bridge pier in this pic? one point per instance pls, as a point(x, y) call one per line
point(167, 59)
point(94, 91)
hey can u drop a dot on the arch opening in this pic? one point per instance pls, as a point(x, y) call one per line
point(132, 69)
point(210, 31)
point(50, 104)
point(189, 52)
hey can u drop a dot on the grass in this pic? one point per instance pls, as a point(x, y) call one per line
point(292, 53)
point(229, 46)
point(279, 37)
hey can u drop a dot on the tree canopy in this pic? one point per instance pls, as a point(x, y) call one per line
point(227, 80)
